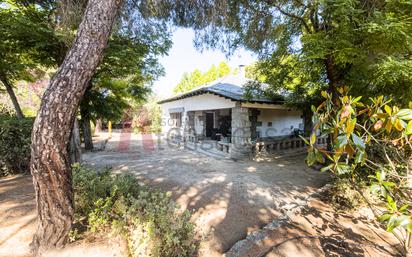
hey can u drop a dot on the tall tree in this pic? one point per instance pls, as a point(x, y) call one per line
point(50, 165)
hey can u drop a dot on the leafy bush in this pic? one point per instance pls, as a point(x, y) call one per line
point(14, 144)
point(371, 143)
point(118, 204)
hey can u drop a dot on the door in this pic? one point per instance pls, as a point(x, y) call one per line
point(209, 124)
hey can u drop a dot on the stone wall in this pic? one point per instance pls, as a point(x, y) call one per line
point(240, 147)
point(253, 117)
point(189, 132)
point(191, 119)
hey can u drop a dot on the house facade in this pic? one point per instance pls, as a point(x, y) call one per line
point(220, 111)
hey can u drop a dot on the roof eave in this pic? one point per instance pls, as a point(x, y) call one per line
point(203, 91)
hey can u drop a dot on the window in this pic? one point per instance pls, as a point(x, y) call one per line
point(269, 124)
point(259, 124)
point(176, 119)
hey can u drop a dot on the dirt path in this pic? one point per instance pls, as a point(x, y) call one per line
point(228, 199)
point(17, 215)
point(317, 230)
point(18, 224)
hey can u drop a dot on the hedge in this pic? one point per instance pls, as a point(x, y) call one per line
point(15, 144)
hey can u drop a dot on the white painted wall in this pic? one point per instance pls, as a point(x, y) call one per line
point(195, 103)
point(283, 122)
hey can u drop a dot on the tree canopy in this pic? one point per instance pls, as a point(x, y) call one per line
point(196, 78)
point(37, 35)
point(366, 45)
point(123, 77)
point(28, 44)
point(42, 31)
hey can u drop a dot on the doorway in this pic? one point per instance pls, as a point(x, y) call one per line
point(210, 117)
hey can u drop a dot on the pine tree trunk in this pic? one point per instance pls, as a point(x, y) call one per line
point(85, 120)
point(332, 76)
point(50, 162)
point(307, 122)
point(10, 91)
point(75, 148)
point(87, 131)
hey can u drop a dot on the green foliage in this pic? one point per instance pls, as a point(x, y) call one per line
point(366, 45)
point(148, 218)
point(36, 35)
point(124, 76)
point(27, 43)
point(15, 139)
point(148, 117)
point(27, 40)
point(371, 142)
point(196, 78)
point(5, 109)
point(290, 73)
point(129, 66)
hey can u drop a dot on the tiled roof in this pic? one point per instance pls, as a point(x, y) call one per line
point(230, 87)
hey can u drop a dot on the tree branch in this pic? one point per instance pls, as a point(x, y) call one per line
point(291, 15)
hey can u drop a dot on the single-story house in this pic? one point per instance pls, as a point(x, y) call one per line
point(221, 111)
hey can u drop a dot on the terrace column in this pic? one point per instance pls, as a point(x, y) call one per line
point(253, 117)
point(184, 125)
point(190, 126)
point(240, 147)
point(203, 120)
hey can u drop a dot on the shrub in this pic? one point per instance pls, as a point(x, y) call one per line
point(370, 143)
point(14, 144)
point(118, 204)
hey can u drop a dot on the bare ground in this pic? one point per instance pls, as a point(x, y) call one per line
point(18, 224)
point(318, 230)
point(228, 199)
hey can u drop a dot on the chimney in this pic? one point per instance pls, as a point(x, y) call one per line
point(242, 71)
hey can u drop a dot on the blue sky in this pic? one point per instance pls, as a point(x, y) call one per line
point(183, 57)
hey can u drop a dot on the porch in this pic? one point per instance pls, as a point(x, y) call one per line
point(242, 131)
point(215, 124)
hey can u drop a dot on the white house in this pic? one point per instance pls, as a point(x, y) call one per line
point(220, 111)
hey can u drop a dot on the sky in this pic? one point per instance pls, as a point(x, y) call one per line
point(183, 57)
